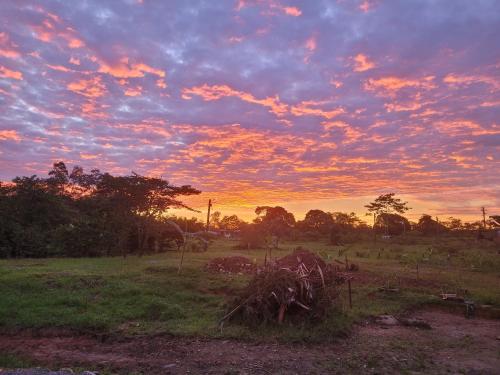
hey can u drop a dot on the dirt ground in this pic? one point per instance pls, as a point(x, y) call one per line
point(383, 346)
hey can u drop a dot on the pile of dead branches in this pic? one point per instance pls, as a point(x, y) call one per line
point(233, 265)
point(298, 287)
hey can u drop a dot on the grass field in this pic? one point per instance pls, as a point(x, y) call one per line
point(145, 295)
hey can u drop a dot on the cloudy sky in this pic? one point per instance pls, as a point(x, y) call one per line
point(307, 104)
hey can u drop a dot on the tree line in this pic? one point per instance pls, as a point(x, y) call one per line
point(77, 213)
point(275, 223)
point(86, 214)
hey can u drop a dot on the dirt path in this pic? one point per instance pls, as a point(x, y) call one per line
point(453, 345)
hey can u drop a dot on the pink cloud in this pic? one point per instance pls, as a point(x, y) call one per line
point(216, 92)
point(394, 84)
point(9, 135)
point(362, 63)
point(8, 73)
point(91, 88)
point(7, 48)
point(123, 69)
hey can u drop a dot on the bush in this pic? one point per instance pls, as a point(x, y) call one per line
point(251, 237)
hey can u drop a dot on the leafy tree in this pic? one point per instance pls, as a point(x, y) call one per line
point(80, 214)
point(344, 226)
point(392, 224)
point(31, 211)
point(275, 221)
point(146, 199)
point(251, 236)
point(231, 222)
point(473, 226)
point(215, 218)
point(386, 203)
point(429, 226)
point(453, 223)
point(345, 220)
point(318, 221)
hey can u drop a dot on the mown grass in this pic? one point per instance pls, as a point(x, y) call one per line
point(144, 295)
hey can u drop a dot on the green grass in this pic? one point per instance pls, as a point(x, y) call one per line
point(144, 295)
point(8, 360)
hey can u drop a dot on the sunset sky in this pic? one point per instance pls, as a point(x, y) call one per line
point(305, 104)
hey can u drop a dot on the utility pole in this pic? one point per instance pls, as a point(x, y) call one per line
point(484, 217)
point(208, 214)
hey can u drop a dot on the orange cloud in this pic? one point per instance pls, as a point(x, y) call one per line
point(272, 5)
point(309, 108)
point(161, 83)
point(362, 63)
point(9, 135)
point(398, 107)
point(7, 73)
point(464, 127)
point(133, 91)
point(351, 134)
point(7, 48)
point(92, 110)
point(216, 92)
point(395, 83)
point(456, 80)
point(91, 88)
point(52, 28)
point(305, 108)
point(125, 70)
point(74, 42)
point(362, 160)
point(292, 11)
point(89, 156)
point(59, 68)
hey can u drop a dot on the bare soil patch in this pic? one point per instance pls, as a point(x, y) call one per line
point(453, 344)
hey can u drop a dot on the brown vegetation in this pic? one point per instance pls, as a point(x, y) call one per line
point(298, 286)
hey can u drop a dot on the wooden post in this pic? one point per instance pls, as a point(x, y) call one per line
point(281, 314)
point(346, 264)
point(350, 293)
point(183, 248)
point(418, 276)
point(484, 217)
point(208, 214)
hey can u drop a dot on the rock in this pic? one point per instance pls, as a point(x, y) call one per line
point(386, 320)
